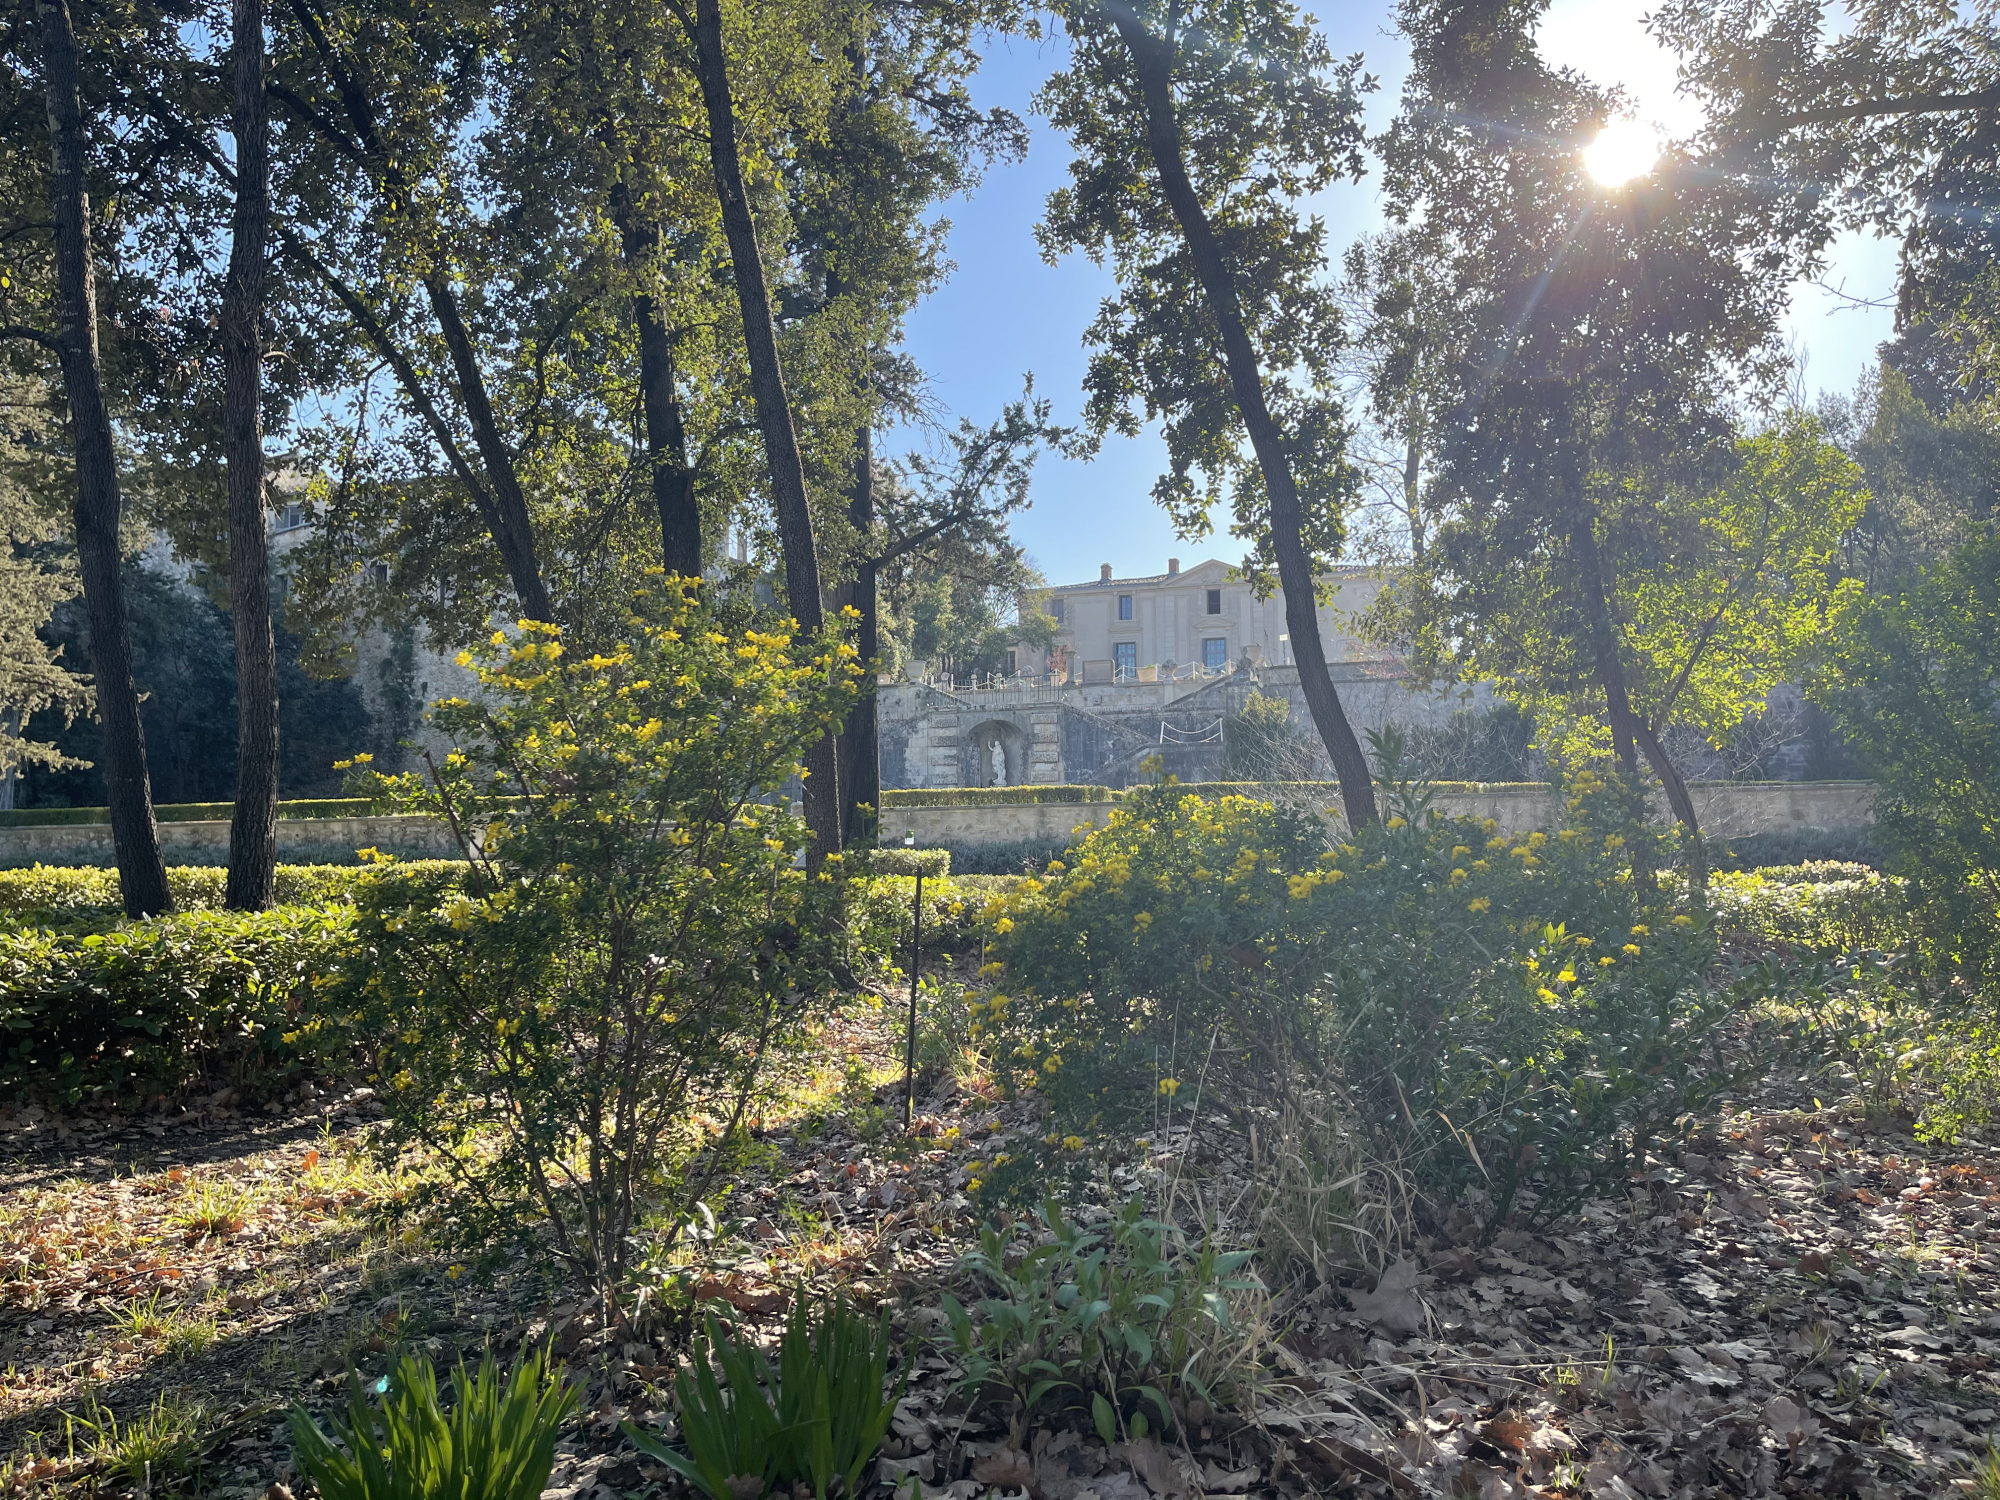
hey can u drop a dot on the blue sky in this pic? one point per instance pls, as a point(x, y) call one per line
point(1004, 312)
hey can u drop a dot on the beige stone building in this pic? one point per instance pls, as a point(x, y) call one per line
point(1188, 623)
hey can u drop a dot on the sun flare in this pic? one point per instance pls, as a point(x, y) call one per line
point(1623, 150)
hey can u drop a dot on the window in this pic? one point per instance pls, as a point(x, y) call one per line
point(1013, 664)
point(1125, 661)
point(1215, 601)
point(290, 518)
point(1215, 653)
point(1124, 606)
point(1056, 608)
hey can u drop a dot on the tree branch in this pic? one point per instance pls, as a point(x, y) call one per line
point(32, 335)
point(1916, 104)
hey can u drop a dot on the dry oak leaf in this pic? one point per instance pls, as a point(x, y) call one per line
point(1393, 1305)
point(1004, 1466)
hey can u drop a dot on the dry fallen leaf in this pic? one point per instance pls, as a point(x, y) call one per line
point(1393, 1305)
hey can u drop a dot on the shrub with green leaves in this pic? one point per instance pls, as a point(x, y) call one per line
point(1512, 1019)
point(1831, 905)
point(635, 934)
point(498, 1441)
point(157, 1006)
point(1914, 683)
point(59, 891)
point(1121, 1320)
point(817, 1420)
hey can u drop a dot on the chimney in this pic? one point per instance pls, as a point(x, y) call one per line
point(1173, 566)
point(1104, 573)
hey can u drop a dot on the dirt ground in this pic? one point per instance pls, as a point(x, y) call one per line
point(1802, 1304)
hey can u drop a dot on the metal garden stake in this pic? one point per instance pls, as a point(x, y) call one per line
point(916, 958)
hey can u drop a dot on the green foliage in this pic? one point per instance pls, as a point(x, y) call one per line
point(184, 812)
point(634, 937)
point(62, 891)
point(1267, 117)
point(1120, 1319)
point(878, 916)
point(162, 1004)
point(995, 796)
point(1914, 681)
point(1511, 1017)
point(932, 864)
point(816, 1421)
point(498, 1442)
point(1830, 905)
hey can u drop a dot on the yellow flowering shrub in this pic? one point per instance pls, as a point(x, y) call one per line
point(1489, 1019)
point(634, 932)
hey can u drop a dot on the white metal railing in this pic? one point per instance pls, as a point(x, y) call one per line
point(1206, 734)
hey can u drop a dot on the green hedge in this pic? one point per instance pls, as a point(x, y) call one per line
point(1824, 906)
point(995, 796)
point(157, 1006)
point(184, 812)
point(62, 890)
point(933, 864)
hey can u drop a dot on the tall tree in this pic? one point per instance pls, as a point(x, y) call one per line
point(1604, 334)
point(135, 837)
point(785, 469)
point(1198, 129)
point(253, 821)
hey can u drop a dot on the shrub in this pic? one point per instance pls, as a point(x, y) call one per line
point(1914, 682)
point(878, 916)
point(818, 1419)
point(1121, 1320)
point(61, 890)
point(1514, 1018)
point(633, 938)
point(934, 864)
point(160, 1004)
point(497, 1443)
point(1011, 857)
point(1830, 905)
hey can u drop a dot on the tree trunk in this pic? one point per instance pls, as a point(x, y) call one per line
point(1625, 725)
point(1413, 475)
point(516, 537)
point(1153, 65)
point(860, 760)
point(253, 823)
point(666, 432)
point(774, 407)
point(1678, 798)
point(142, 874)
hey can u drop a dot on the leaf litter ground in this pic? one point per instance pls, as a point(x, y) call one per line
point(1798, 1304)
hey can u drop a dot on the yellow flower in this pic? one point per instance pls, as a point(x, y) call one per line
point(972, 1185)
point(1606, 962)
point(1170, 1086)
point(1547, 994)
point(452, 1273)
point(1394, 823)
point(1641, 930)
point(1072, 1143)
point(1459, 851)
point(1004, 926)
point(1479, 903)
point(1683, 920)
point(1631, 950)
point(1457, 876)
point(1568, 976)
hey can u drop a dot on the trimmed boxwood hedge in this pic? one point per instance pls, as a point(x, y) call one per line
point(59, 891)
point(156, 1006)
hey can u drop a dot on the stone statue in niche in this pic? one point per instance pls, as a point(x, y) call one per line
point(999, 754)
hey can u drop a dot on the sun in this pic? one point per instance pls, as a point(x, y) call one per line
point(1623, 150)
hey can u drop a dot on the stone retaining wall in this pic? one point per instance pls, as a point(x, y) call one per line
point(1726, 809)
